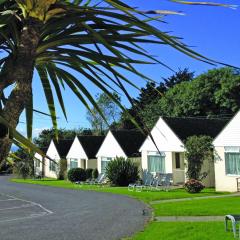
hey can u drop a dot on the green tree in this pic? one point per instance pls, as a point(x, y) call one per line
point(144, 105)
point(46, 135)
point(198, 150)
point(110, 110)
point(58, 38)
point(212, 93)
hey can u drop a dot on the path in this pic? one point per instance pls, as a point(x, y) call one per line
point(33, 212)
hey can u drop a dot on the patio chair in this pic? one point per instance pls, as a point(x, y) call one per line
point(91, 182)
point(235, 219)
point(147, 182)
point(155, 185)
point(168, 181)
point(98, 179)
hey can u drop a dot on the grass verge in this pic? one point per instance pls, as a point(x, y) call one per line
point(146, 196)
point(184, 231)
point(203, 207)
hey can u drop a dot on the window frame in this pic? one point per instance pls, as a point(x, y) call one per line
point(52, 166)
point(108, 159)
point(38, 163)
point(156, 155)
point(75, 160)
point(225, 157)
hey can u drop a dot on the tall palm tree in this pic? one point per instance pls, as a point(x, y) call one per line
point(97, 40)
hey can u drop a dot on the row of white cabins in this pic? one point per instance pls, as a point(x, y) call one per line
point(165, 154)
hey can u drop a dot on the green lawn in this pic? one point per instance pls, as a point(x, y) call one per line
point(145, 196)
point(204, 207)
point(184, 231)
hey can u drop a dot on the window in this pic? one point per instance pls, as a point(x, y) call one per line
point(37, 163)
point(156, 163)
point(177, 160)
point(52, 166)
point(73, 163)
point(104, 163)
point(232, 163)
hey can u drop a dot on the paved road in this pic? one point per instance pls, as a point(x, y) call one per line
point(32, 212)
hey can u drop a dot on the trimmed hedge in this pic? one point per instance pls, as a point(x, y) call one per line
point(76, 175)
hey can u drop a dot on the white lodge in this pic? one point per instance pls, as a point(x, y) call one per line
point(82, 153)
point(227, 156)
point(167, 154)
point(56, 151)
point(119, 143)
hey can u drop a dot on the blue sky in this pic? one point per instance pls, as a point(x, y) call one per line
point(212, 31)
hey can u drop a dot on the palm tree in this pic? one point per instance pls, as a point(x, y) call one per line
point(97, 40)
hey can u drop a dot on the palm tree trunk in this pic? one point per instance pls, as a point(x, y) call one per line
point(21, 75)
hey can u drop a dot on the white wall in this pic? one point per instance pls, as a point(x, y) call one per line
point(109, 148)
point(38, 169)
point(76, 151)
point(168, 143)
point(53, 154)
point(91, 163)
point(165, 139)
point(223, 181)
point(230, 135)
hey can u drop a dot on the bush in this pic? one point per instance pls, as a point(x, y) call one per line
point(62, 174)
point(89, 173)
point(121, 172)
point(95, 173)
point(76, 174)
point(193, 186)
point(23, 165)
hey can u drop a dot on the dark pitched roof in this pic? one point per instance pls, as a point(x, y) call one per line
point(63, 147)
point(91, 144)
point(129, 140)
point(186, 127)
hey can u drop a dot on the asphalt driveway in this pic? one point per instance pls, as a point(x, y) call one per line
point(33, 212)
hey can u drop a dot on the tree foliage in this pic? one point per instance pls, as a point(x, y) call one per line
point(23, 164)
point(198, 150)
point(45, 136)
point(149, 97)
point(215, 92)
point(110, 110)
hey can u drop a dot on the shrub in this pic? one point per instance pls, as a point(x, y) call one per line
point(23, 164)
point(89, 173)
point(121, 172)
point(193, 186)
point(76, 174)
point(62, 169)
point(95, 173)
